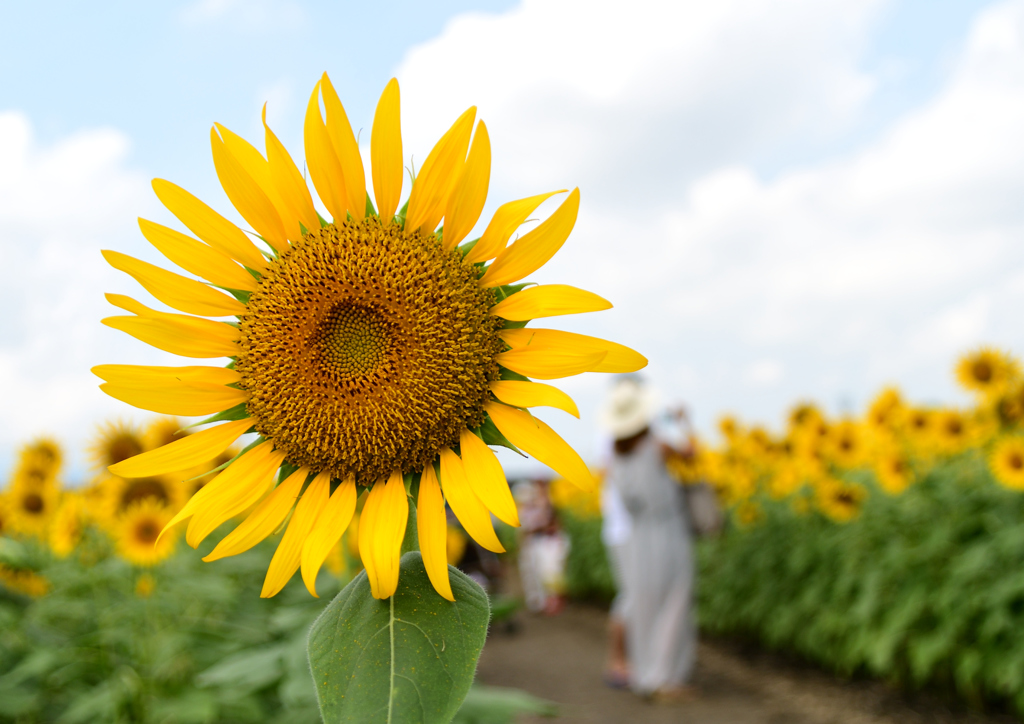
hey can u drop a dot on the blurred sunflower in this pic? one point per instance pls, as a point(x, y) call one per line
point(115, 442)
point(884, 410)
point(31, 508)
point(24, 581)
point(918, 425)
point(43, 457)
point(847, 444)
point(952, 432)
point(802, 415)
point(163, 431)
point(367, 350)
point(839, 500)
point(68, 525)
point(1006, 461)
point(119, 493)
point(137, 533)
point(987, 371)
point(787, 479)
point(893, 470)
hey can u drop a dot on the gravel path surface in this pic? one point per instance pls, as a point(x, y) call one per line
point(561, 659)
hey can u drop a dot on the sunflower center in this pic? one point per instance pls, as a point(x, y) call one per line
point(144, 488)
point(146, 532)
point(1015, 461)
point(366, 349)
point(33, 503)
point(121, 448)
point(982, 371)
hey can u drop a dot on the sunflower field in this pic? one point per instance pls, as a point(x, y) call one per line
point(102, 621)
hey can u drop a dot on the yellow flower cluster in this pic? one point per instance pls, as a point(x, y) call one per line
point(809, 462)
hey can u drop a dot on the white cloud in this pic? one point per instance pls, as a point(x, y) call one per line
point(59, 205)
point(844, 272)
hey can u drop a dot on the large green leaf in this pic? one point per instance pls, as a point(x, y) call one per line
point(410, 658)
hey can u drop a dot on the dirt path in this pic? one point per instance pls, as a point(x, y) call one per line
point(561, 659)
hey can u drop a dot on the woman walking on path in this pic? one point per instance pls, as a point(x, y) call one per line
point(657, 559)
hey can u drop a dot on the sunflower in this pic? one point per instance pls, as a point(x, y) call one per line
point(987, 371)
point(839, 500)
point(40, 460)
point(802, 415)
point(24, 581)
point(115, 442)
point(787, 478)
point(1006, 461)
point(952, 432)
point(918, 425)
point(371, 353)
point(893, 470)
point(138, 533)
point(68, 525)
point(120, 493)
point(31, 509)
point(847, 446)
point(163, 431)
point(884, 410)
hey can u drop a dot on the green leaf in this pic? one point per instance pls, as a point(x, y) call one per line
point(410, 658)
point(490, 434)
point(238, 412)
point(498, 705)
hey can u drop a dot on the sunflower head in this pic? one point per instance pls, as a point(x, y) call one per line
point(138, 536)
point(987, 372)
point(803, 415)
point(1006, 462)
point(839, 500)
point(163, 431)
point(372, 354)
point(24, 581)
point(847, 444)
point(119, 494)
point(40, 460)
point(894, 470)
point(68, 525)
point(884, 410)
point(31, 509)
point(115, 442)
point(952, 431)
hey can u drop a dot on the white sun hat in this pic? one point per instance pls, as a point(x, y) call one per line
point(628, 409)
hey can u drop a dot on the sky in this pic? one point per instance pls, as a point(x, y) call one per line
point(787, 200)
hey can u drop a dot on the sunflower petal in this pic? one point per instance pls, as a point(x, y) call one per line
point(347, 150)
point(537, 439)
point(505, 221)
point(548, 300)
point(211, 264)
point(432, 529)
point(368, 521)
point(467, 199)
point(289, 551)
point(243, 489)
point(263, 520)
point(392, 518)
point(533, 394)
point(534, 249)
point(184, 294)
point(290, 185)
point(487, 479)
point(187, 399)
point(547, 363)
point(324, 167)
point(437, 177)
point(620, 359)
point(147, 374)
point(386, 152)
point(208, 225)
point(468, 508)
point(246, 195)
point(180, 334)
point(182, 454)
point(330, 526)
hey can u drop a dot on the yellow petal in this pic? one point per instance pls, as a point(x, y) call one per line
point(487, 479)
point(186, 399)
point(246, 195)
point(548, 300)
point(437, 177)
point(330, 526)
point(505, 221)
point(467, 198)
point(432, 529)
point(324, 166)
point(535, 438)
point(547, 363)
point(366, 532)
point(533, 250)
point(620, 359)
point(184, 294)
point(533, 394)
point(346, 148)
point(468, 508)
point(130, 305)
point(290, 185)
point(208, 225)
point(184, 453)
point(211, 264)
point(222, 487)
point(386, 152)
point(180, 334)
point(146, 375)
point(247, 482)
point(263, 520)
point(289, 551)
point(392, 518)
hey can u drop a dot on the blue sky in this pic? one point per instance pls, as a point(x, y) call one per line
point(784, 200)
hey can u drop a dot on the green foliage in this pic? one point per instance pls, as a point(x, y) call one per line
point(498, 705)
point(587, 573)
point(926, 588)
point(410, 658)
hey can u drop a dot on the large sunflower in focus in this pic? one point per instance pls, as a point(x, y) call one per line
point(375, 351)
